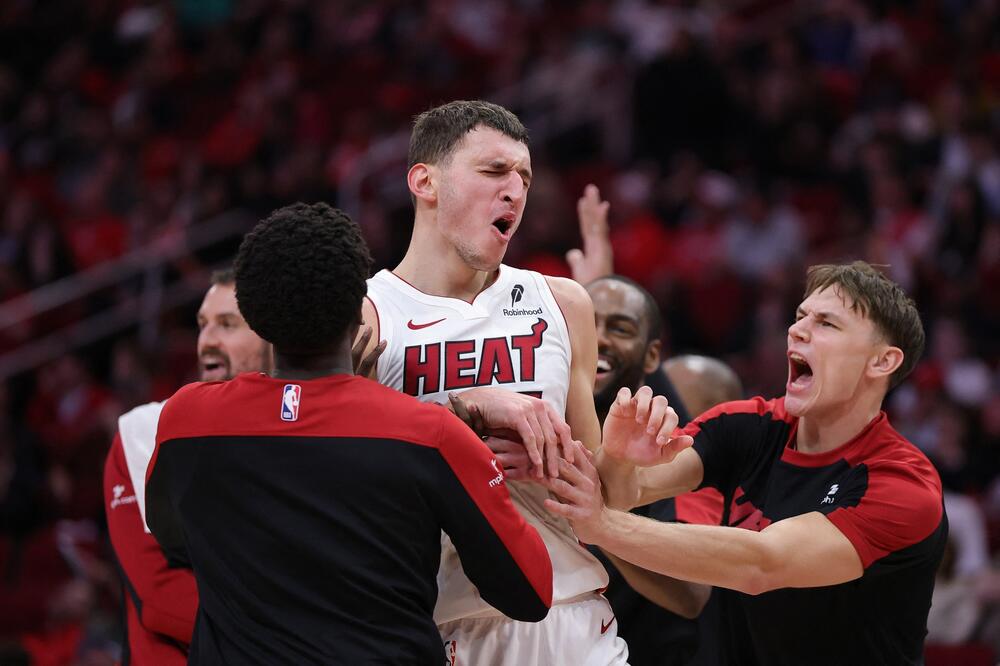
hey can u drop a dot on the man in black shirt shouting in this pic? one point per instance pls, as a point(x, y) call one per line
point(842, 520)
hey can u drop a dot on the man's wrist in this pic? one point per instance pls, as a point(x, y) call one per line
point(467, 413)
point(600, 526)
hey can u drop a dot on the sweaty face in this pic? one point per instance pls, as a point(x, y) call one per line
point(829, 346)
point(622, 331)
point(226, 345)
point(482, 190)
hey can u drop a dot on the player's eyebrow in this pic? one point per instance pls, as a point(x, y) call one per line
point(622, 317)
point(822, 315)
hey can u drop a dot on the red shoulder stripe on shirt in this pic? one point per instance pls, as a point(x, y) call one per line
point(757, 405)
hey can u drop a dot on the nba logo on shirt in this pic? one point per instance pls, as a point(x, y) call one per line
point(290, 402)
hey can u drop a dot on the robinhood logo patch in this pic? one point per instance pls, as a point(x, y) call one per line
point(515, 296)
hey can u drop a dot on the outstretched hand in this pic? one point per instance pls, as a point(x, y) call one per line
point(639, 429)
point(595, 260)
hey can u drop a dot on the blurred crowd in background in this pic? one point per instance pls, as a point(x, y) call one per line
point(737, 141)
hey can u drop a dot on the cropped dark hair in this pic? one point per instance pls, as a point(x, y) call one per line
point(654, 319)
point(437, 131)
point(882, 301)
point(300, 277)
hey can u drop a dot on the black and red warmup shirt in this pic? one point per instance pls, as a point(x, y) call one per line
point(878, 489)
point(311, 513)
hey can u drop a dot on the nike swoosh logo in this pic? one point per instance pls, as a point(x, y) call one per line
point(605, 627)
point(417, 327)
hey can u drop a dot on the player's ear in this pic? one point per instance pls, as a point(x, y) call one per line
point(651, 361)
point(885, 362)
point(422, 183)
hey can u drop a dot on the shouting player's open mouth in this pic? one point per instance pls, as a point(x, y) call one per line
point(800, 374)
point(504, 226)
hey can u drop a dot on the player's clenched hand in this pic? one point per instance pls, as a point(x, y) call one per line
point(595, 260)
point(541, 429)
point(578, 495)
point(639, 429)
point(363, 363)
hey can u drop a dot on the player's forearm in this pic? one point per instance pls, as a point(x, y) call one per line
point(627, 486)
point(619, 481)
point(677, 596)
point(722, 556)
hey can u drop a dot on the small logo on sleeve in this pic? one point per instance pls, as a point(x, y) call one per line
point(118, 500)
point(498, 479)
point(829, 494)
point(290, 402)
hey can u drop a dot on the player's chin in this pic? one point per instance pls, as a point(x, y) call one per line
point(489, 262)
point(799, 404)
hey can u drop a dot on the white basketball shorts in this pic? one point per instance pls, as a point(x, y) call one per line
point(580, 633)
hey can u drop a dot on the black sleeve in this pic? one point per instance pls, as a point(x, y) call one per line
point(724, 439)
point(161, 513)
point(736, 440)
point(500, 552)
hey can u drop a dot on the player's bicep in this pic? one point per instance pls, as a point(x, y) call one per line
point(578, 310)
point(809, 551)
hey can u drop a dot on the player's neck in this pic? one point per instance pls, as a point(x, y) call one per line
point(439, 271)
point(313, 366)
point(819, 433)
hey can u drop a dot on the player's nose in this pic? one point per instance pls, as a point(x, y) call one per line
point(514, 189)
point(799, 330)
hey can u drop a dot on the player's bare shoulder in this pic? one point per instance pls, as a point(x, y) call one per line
point(573, 300)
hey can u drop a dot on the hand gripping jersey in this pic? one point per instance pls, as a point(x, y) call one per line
point(512, 335)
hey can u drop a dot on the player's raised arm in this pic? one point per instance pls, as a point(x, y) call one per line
point(500, 552)
point(595, 259)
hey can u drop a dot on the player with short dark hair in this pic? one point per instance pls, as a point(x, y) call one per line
point(281, 274)
point(310, 502)
point(842, 524)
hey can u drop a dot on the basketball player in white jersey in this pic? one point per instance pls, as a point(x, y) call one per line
point(454, 319)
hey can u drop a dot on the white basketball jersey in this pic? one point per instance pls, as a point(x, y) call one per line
point(512, 335)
